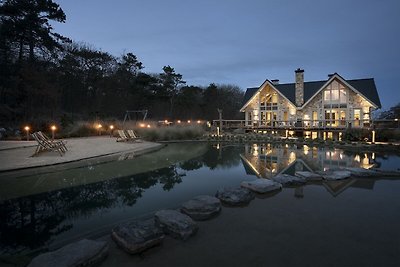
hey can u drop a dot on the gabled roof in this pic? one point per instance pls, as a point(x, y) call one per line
point(365, 86)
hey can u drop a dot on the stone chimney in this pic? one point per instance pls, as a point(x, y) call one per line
point(299, 87)
point(275, 82)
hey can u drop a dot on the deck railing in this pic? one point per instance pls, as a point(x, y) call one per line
point(308, 124)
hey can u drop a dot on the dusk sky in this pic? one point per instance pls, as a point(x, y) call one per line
point(246, 42)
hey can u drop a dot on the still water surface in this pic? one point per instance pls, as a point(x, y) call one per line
point(56, 206)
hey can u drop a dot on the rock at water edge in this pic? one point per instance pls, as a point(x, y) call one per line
point(138, 236)
point(82, 253)
point(261, 185)
point(235, 196)
point(310, 176)
point(202, 207)
point(286, 179)
point(176, 224)
point(336, 175)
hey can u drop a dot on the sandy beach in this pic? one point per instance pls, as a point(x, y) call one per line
point(18, 154)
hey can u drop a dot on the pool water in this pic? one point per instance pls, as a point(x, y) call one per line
point(49, 207)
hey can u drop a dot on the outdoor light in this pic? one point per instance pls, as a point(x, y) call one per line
point(166, 121)
point(373, 137)
point(179, 121)
point(53, 129)
point(111, 130)
point(396, 119)
point(142, 125)
point(26, 128)
point(199, 121)
point(188, 121)
point(99, 126)
point(148, 126)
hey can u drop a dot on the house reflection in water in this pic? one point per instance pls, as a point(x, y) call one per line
point(267, 161)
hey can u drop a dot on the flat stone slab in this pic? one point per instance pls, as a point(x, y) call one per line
point(361, 172)
point(235, 196)
point(202, 207)
point(286, 179)
point(335, 175)
point(176, 224)
point(310, 176)
point(136, 237)
point(82, 253)
point(261, 185)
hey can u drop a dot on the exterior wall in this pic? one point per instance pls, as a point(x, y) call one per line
point(256, 109)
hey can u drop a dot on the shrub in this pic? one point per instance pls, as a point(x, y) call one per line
point(171, 133)
point(388, 135)
point(354, 134)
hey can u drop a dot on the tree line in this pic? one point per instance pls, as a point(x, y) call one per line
point(44, 75)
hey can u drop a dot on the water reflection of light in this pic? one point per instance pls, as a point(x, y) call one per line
point(341, 156)
point(292, 157)
point(357, 158)
point(373, 156)
point(217, 146)
point(255, 150)
point(306, 149)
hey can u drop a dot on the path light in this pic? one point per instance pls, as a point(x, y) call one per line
point(111, 130)
point(199, 121)
point(27, 128)
point(166, 121)
point(99, 126)
point(142, 125)
point(53, 129)
point(148, 126)
point(188, 121)
point(179, 121)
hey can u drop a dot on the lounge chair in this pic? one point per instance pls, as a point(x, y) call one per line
point(132, 135)
point(58, 142)
point(122, 136)
point(44, 145)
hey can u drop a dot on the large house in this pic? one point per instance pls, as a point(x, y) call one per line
point(316, 107)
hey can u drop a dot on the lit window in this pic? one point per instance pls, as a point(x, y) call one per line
point(327, 95)
point(335, 95)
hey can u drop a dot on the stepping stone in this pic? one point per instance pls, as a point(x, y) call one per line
point(261, 185)
point(138, 236)
point(286, 179)
point(310, 176)
point(335, 175)
point(82, 253)
point(176, 224)
point(202, 207)
point(235, 196)
point(361, 172)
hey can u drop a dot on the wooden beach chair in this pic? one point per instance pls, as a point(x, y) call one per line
point(122, 136)
point(132, 135)
point(44, 145)
point(58, 142)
